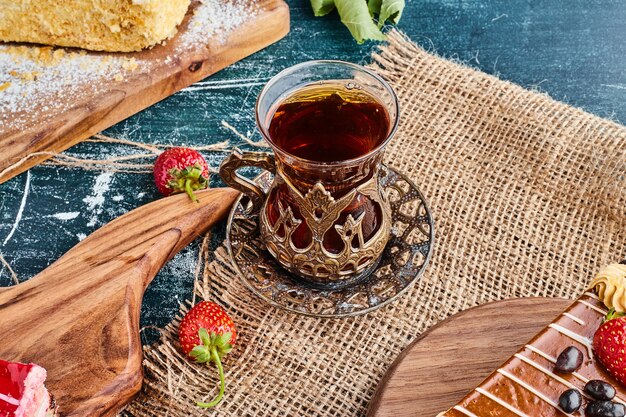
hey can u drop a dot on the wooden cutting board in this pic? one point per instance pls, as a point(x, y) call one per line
point(62, 120)
point(79, 318)
point(435, 371)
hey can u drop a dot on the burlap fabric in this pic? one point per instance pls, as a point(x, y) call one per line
point(529, 199)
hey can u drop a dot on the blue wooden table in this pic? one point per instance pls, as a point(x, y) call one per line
point(573, 50)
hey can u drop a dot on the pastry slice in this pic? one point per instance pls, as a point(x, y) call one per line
point(99, 25)
point(22, 392)
point(530, 384)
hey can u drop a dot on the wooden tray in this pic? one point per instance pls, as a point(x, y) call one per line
point(435, 371)
point(79, 318)
point(56, 129)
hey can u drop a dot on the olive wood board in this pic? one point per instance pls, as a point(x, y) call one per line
point(79, 318)
point(442, 365)
point(59, 129)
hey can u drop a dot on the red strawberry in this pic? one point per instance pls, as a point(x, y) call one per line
point(180, 169)
point(609, 345)
point(206, 334)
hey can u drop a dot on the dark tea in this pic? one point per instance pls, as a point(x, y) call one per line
point(329, 123)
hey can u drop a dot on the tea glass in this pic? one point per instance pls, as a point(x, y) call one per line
point(326, 222)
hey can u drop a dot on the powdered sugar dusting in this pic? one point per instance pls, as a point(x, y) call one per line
point(95, 200)
point(213, 16)
point(39, 83)
point(66, 216)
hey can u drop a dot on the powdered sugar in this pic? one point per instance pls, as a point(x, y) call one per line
point(65, 216)
point(95, 200)
point(213, 16)
point(38, 83)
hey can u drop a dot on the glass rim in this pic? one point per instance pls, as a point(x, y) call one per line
point(294, 68)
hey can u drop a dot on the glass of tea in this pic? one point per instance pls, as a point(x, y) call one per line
point(325, 217)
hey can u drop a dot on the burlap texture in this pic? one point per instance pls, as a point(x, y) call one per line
point(529, 199)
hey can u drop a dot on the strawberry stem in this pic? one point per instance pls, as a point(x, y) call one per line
point(612, 314)
point(216, 358)
point(189, 190)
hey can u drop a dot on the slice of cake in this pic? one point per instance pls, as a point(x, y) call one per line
point(99, 25)
point(557, 373)
point(22, 392)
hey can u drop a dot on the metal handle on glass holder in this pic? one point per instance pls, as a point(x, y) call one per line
point(240, 159)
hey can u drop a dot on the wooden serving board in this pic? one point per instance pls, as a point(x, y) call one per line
point(435, 371)
point(79, 318)
point(60, 123)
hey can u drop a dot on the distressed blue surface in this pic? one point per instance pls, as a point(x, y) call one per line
point(573, 50)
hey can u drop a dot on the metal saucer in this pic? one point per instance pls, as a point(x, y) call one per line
point(403, 261)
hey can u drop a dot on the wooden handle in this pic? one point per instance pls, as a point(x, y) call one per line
point(79, 318)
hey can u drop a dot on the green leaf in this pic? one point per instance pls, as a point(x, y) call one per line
point(390, 10)
point(356, 16)
point(612, 314)
point(204, 336)
point(322, 7)
point(374, 6)
point(223, 339)
point(201, 354)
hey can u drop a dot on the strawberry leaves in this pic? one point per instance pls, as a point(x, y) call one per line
point(358, 15)
point(221, 343)
point(188, 180)
point(612, 314)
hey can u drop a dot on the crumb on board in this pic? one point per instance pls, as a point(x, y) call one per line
point(130, 64)
point(45, 56)
point(25, 76)
point(4, 86)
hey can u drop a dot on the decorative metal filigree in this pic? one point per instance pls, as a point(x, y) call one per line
point(238, 159)
point(403, 260)
point(320, 212)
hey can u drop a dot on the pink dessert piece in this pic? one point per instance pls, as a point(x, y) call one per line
point(22, 392)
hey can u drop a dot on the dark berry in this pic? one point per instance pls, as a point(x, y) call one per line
point(569, 360)
point(600, 390)
point(570, 400)
point(604, 409)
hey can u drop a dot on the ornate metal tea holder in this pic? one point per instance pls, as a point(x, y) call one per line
point(403, 261)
